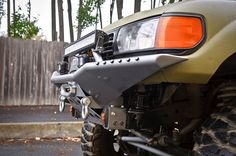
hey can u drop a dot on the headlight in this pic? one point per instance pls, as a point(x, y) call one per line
point(168, 32)
point(139, 35)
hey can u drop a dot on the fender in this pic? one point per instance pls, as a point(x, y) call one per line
point(202, 64)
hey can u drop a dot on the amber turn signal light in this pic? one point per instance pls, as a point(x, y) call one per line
point(177, 32)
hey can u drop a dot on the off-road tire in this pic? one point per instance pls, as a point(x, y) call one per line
point(218, 134)
point(96, 141)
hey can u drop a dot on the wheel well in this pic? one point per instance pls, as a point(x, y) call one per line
point(227, 69)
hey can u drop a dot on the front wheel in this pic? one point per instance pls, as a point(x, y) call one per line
point(97, 141)
point(218, 134)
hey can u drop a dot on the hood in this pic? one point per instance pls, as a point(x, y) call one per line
point(138, 16)
point(203, 7)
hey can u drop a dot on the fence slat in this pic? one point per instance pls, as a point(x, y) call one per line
point(25, 71)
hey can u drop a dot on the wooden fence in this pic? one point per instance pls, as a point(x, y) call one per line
point(25, 70)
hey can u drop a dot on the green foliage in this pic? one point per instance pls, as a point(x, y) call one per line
point(23, 27)
point(84, 14)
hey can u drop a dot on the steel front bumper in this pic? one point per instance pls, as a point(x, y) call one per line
point(105, 81)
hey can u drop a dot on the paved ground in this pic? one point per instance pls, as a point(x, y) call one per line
point(46, 147)
point(34, 114)
point(34, 122)
point(37, 121)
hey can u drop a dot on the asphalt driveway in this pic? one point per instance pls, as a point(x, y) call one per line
point(42, 147)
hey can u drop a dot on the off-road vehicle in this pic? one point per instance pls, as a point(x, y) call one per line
point(159, 82)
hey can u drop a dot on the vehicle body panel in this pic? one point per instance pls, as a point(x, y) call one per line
point(219, 44)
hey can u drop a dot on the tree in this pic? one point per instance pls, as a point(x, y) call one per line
point(14, 8)
point(22, 26)
point(154, 4)
point(2, 12)
point(29, 9)
point(84, 15)
point(137, 5)
point(61, 20)
point(99, 2)
point(119, 4)
point(8, 16)
point(164, 2)
point(70, 21)
point(111, 10)
point(53, 14)
point(79, 28)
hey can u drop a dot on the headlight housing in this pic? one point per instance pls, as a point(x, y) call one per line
point(139, 35)
point(166, 32)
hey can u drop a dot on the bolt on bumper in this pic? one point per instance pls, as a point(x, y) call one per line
point(106, 80)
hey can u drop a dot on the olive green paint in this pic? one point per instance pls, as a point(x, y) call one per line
point(219, 44)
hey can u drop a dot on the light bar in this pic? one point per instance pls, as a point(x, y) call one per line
point(85, 43)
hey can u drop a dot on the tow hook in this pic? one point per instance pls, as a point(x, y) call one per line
point(62, 100)
point(85, 102)
point(65, 91)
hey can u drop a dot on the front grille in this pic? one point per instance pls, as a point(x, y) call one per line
point(108, 45)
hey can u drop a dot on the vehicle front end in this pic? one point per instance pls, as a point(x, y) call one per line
point(146, 76)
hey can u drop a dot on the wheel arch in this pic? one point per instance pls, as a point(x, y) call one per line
point(227, 69)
